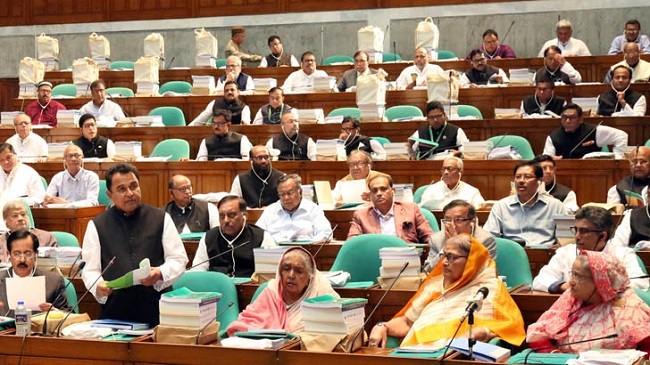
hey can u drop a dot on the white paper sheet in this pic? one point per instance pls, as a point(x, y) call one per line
point(31, 290)
point(352, 190)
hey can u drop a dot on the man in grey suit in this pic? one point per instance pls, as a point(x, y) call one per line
point(22, 246)
point(349, 78)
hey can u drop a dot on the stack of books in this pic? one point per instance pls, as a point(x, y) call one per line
point(103, 63)
point(263, 85)
point(128, 149)
point(68, 118)
point(324, 83)
point(372, 111)
point(203, 85)
point(187, 309)
point(396, 151)
point(394, 258)
point(7, 118)
point(267, 259)
point(310, 115)
point(83, 89)
point(329, 315)
point(206, 61)
point(50, 63)
point(328, 149)
point(521, 76)
point(147, 88)
point(27, 90)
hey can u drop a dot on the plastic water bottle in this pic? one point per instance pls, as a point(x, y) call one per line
point(23, 320)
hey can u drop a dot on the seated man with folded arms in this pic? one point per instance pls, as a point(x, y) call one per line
point(527, 216)
point(552, 187)
point(233, 73)
point(574, 138)
point(481, 73)
point(273, 112)
point(447, 136)
point(592, 230)
point(16, 218)
point(189, 214)
point(634, 183)
point(29, 146)
point(557, 69)
point(543, 101)
point(303, 79)
point(450, 187)
point(278, 57)
point(74, 185)
point(386, 216)
point(240, 113)
point(259, 185)
point(631, 58)
point(634, 230)
point(105, 111)
point(354, 140)
point(232, 233)
point(349, 78)
point(290, 145)
point(90, 142)
point(416, 75)
point(460, 217)
point(619, 100)
point(22, 248)
point(224, 143)
point(19, 181)
point(294, 218)
point(360, 167)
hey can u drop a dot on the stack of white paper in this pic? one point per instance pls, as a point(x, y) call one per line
point(396, 151)
point(128, 149)
point(324, 83)
point(68, 118)
point(206, 61)
point(83, 89)
point(311, 115)
point(404, 192)
point(102, 63)
point(56, 149)
point(563, 224)
point(267, 260)
point(26, 90)
point(340, 316)
point(521, 75)
point(394, 258)
point(265, 84)
point(145, 121)
point(51, 64)
point(7, 118)
point(351, 191)
point(586, 103)
point(372, 110)
point(477, 147)
point(204, 81)
point(375, 56)
point(147, 88)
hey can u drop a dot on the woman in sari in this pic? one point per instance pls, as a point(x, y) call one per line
point(434, 313)
point(599, 303)
point(278, 306)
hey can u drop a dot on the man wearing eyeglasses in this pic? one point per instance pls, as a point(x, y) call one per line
point(189, 215)
point(233, 73)
point(354, 140)
point(16, 218)
point(438, 137)
point(259, 185)
point(450, 187)
point(290, 145)
point(294, 218)
point(278, 57)
point(360, 167)
point(234, 234)
point(631, 58)
point(543, 103)
point(224, 143)
point(459, 218)
point(75, 185)
point(43, 110)
point(592, 231)
point(240, 113)
point(303, 79)
point(416, 74)
point(631, 33)
point(634, 230)
point(29, 146)
point(349, 79)
point(481, 73)
point(574, 139)
point(234, 47)
point(493, 47)
point(627, 191)
point(105, 111)
point(22, 247)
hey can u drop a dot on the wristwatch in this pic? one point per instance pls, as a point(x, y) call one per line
point(382, 324)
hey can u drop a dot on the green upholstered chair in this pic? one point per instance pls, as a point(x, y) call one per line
point(359, 255)
point(417, 196)
point(65, 239)
point(259, 290)
point(177, 148)
point(345, 112)
point(381, 140)
point(182, 87)
point(444, 54)
point(71, 294)
point(102, 198)
point(642, 264)
point(122, 65)
point(647, 143)
point(171, 115)
point(212, 281)
point(121, 91)
point(338, 59)
point(512, 262)
point(644, 295)
point(44, 182)
point(433, 222)
point(469, 111)
point(64, 90)
point(221, 62)
point(520, 143)
point(402, 111)
point(29, 213)
point(390, 57)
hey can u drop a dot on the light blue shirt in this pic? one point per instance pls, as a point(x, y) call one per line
point(307, 222)
point(82, 189)
point(619, 42)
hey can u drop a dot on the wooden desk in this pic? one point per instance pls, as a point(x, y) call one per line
point(71, 220)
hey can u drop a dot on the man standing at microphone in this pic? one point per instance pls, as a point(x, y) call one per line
point(117, 240)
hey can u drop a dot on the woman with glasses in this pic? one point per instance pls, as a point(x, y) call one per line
point(600, 303)
point(434, 313)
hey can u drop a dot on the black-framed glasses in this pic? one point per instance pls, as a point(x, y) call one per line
point(583, 231)
point(184, 189)
point(456, 220)
point(450, 256)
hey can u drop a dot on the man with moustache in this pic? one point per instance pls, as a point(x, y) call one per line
point(634, 183)
point(233, 73)
point(278, 57)
point(43, 110)
point(631, 58)
point(619, 100)
point(349, 78)
point(416, 74)
point(189, 215)
point(481, 73)
point(303, 79)
point(272, 112)
point(106, 111)
point(353, 139)
point(557, 69)
point(224, 143)
point(75, 185)
point(290, 144)
point(259, 185)
point(240, 113)
point(493, 47)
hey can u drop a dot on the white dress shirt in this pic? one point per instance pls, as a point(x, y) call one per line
point(624, 232)
point(245, 147)
point(108, 112)
point(387, 222)
point(605, 136)
point(574, 47)
point(307, 222)
point(205, 118)
point(202, 252)
point(465, 81)
point(299, 81)
point(637, 110)
point(440, 192)
point(82, 189)
point(311, 148)
point(405, 77)
point(23, 182)
point(31, 149)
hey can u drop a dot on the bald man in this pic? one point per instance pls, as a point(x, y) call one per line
point(189, 215)
point(639, 179)
point(74, 185)
point(416, 75)
point(631, 58)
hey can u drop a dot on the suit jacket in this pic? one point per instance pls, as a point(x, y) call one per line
point(349, 79)
point(410, 224)
point(53, 286)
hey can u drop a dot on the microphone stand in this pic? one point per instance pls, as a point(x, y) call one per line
point(470, 340)
point(219, 255)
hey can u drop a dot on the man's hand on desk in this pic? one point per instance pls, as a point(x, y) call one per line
point(53, 200)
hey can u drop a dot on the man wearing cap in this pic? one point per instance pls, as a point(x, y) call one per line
point(43, 110)
point(233, 47)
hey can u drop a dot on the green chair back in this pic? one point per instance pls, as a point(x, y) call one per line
point(171, 115)
point(417, 196)
point(122, 65)
point(521, 143)
point(390, 57)
point(71, 294)
point(29, 214)
point(444, 54)
point(381, 140)
point(221, 62)
point(469, 111)
point(212, 281)
point(337, 59)
point(177, 148)
point(604, 149)
point(642, 264)
point(44, 182)
point(182, 87)
point(259, 290)
point(402, 111)
point(103, 199)
point(512, 261)
point(644, 295)
point(65, 90)
point(346, 112)
point(123, 91)
point(647, 143)
point(65, 239)
point(360, 255)
point(433, 222)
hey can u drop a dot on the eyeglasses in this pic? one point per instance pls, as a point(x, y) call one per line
point(578, 278)
point(73, 155)
point(358, 165)
point(450, 256)
point(289, 193)
point(569, 117)
point(232, 66)
point(479, 60)
point(583, 231)
point(89, 125)
point(434, 117)
point(261, 158)
point(17, 255)
point(447, 168)
point(184, 189)
point(525, 177)
point(220, 124)
point(455, 220)
point(635, 161)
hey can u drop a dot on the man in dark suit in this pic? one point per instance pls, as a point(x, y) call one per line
point(386, 216)
point(22, 247)
point(349, 78)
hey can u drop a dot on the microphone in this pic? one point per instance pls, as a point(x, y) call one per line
point(219, 255)
point(476, 303)
point(72, 266)
point(365, 323)
point(57, 329)
point(508, 32)
point(640, 277)
point(613, 335)
point(584, 138)
point(61, 293)
point(327, 240)
point(198, 335)
point(171, 62)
